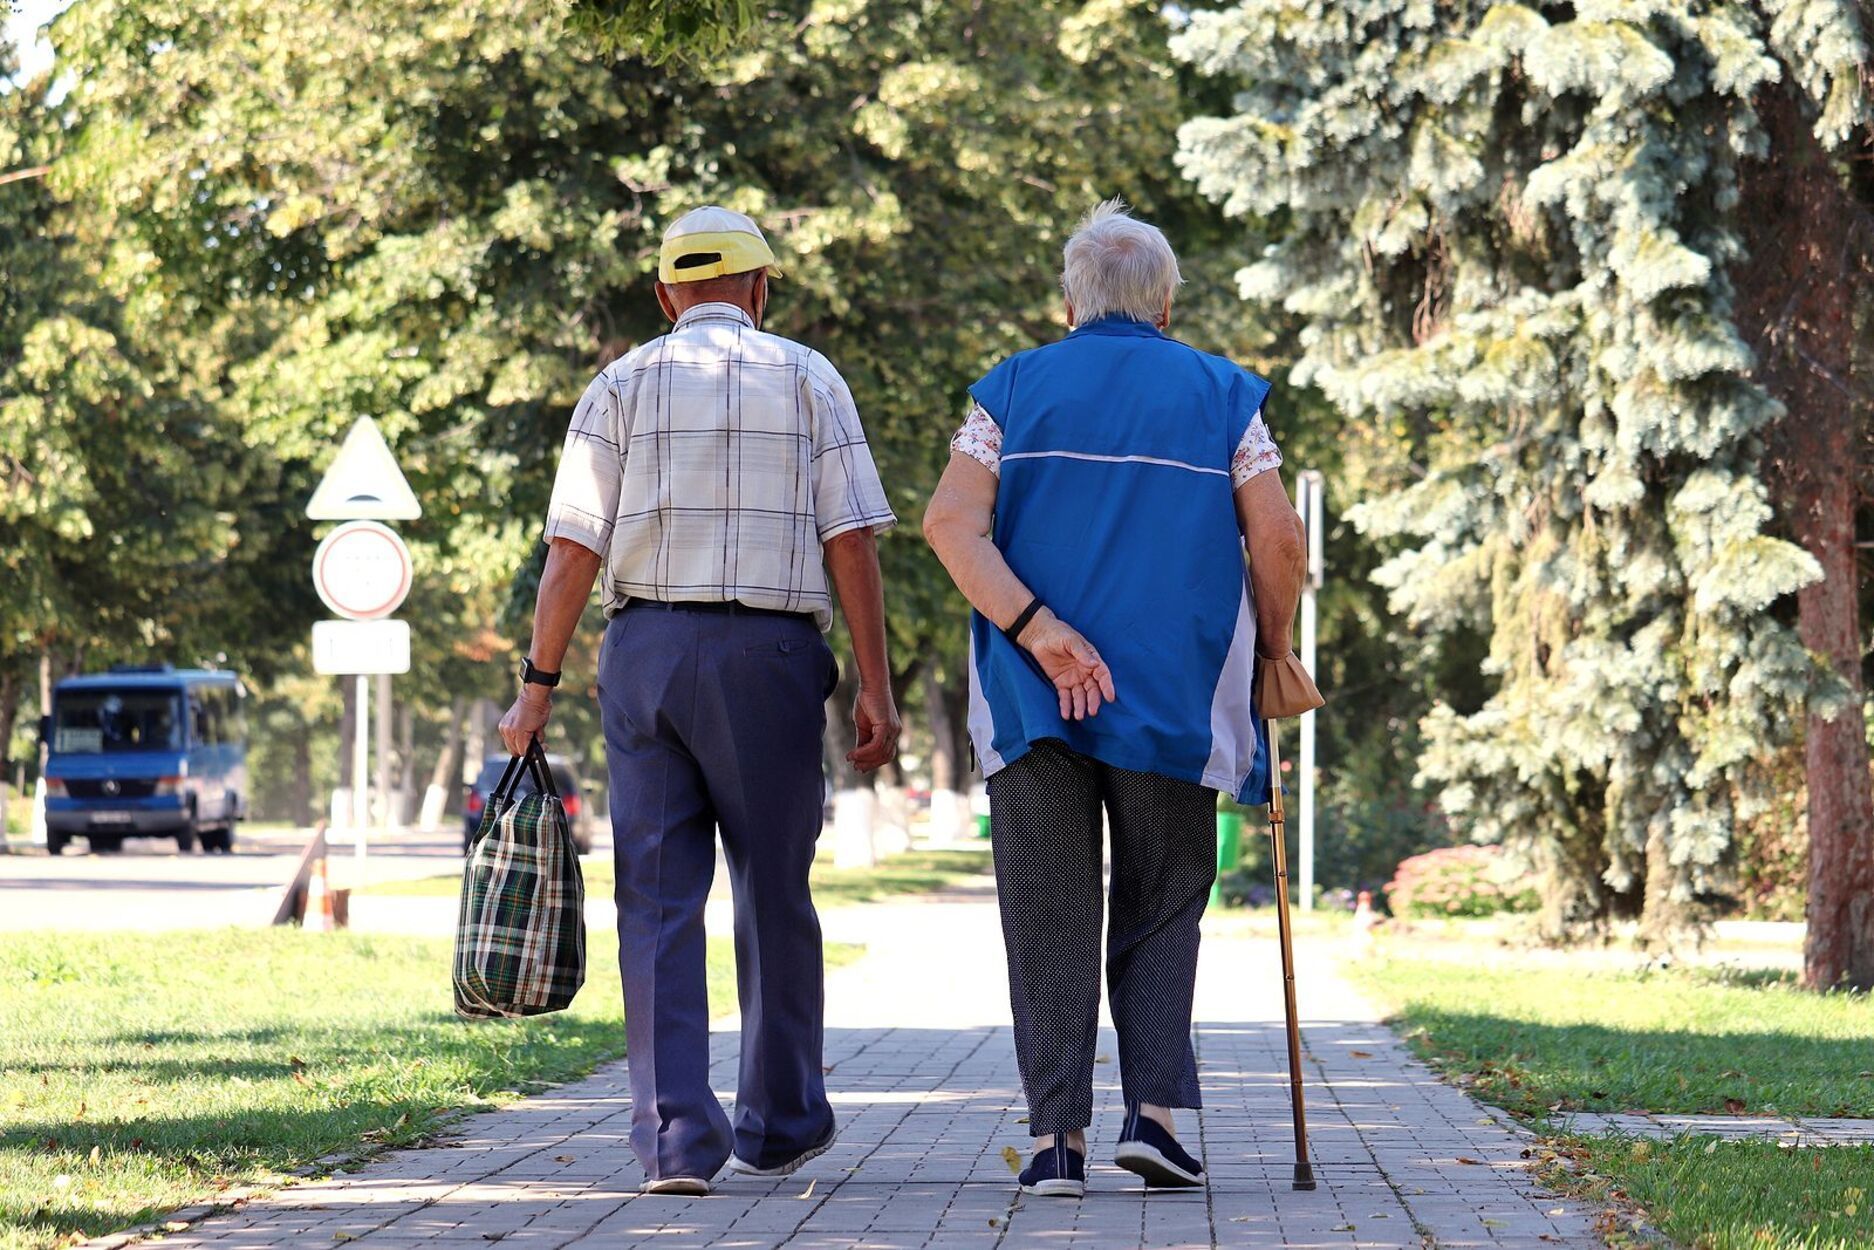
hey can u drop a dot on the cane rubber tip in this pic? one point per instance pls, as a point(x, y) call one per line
point(1304, 1176)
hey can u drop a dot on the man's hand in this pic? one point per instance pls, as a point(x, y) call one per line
point(527, 719)
point(1080, 676)
point(875, 728)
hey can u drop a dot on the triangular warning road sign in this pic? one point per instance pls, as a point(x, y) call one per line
point(364, 482)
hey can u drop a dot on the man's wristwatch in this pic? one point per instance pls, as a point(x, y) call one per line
point(531, 676)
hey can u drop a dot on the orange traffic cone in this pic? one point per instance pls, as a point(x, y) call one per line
point(319, 917)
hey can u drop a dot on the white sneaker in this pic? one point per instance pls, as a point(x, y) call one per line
point(799, 1161)
point(679, 1186)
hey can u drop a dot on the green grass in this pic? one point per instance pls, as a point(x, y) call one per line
point(914, 872)
point(140, 1072)
point(1535, 1037)
point(1731, 1195)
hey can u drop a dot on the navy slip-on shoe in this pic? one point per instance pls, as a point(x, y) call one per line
point(1145, 1147)
point(1060, 1171)
point(784, 1165)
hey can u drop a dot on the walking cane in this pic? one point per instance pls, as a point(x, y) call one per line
point(1304, 1171)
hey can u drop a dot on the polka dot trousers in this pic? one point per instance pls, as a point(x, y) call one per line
point(1044, 814)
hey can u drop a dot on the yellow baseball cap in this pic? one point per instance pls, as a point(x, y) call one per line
point(713, 242)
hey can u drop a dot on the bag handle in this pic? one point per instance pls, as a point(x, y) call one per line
point(536, 758)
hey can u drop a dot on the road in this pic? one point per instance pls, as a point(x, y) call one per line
point(149, 886)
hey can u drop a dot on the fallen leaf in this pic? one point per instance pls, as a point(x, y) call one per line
point(1734, 1105)
point(1361, 1054)
point(1711, 1147)
point(563, 1159)
point(808, 1192)
point(344, 1236)
point(994, 1222)
point(1468, 1159)
point(1012, 1157)
point(1102, 1058)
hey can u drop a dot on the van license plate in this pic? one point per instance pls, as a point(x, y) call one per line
point(110, 818)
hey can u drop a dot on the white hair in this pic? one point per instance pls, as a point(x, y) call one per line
point(1117, 264)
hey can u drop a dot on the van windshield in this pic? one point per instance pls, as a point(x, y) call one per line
point(92, 722)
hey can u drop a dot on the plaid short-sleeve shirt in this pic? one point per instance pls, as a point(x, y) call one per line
point(710, 465)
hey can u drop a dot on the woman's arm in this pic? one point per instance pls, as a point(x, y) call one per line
point(1273, 536)
point(957, 524)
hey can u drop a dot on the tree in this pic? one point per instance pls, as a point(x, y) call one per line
point(1510, 232)
point(1807, 277)
point(446, 214)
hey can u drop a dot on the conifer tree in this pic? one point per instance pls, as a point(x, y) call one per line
point(1513, 232)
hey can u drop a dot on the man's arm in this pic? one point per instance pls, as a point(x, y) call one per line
point(852, 564)
point(565, 586)
point(1272, 534)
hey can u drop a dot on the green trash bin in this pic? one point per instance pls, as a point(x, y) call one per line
point(1229, 847)
point(982, 824)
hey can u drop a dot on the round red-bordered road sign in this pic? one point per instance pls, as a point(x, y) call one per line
point(362, 570)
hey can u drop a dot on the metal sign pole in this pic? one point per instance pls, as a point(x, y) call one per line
point(386, 819)
point(1308, 487)
point(360, 776)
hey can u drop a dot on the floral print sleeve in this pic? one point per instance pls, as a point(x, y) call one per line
point(1255, 454)
point(980, 438)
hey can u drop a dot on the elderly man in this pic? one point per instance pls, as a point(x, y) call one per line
point(718, 474)
point(1112, 480)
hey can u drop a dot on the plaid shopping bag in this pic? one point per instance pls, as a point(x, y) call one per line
point(520, 940)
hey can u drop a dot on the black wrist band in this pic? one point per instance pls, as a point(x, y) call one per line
point(1014, 631)
point(531, 676)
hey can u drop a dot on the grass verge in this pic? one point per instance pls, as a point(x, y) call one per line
point(914, 872)
point(1535, 1036)
point(141, 1072)
point(1727, 1195)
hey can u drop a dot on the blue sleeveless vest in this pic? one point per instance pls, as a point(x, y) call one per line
point(1115, 507)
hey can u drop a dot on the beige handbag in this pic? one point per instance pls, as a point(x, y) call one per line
point(1283, 687)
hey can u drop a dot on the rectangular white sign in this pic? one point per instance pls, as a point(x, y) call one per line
point(361, 648)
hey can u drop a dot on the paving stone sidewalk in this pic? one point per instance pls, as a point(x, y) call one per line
point(921, 1072)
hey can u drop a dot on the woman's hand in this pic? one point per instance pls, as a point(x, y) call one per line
point(1080, 676)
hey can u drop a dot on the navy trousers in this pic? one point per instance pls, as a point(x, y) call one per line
point(713, 721)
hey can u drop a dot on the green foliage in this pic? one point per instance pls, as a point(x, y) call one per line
point(1508, 233)
point(1459, 881)
point(659, 30)
point(445, 214)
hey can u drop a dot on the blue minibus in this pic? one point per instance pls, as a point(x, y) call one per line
point(148, 751)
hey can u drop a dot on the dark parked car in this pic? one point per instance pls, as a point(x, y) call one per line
point(565, 779)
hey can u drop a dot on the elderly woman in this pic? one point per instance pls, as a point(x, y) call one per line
point(1095, 513)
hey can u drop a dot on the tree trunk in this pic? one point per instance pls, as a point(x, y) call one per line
point(1811, 252)
point(303, 808)
point(946, 770)
point(452, 737)
point(9, 718)
point(1839, 948)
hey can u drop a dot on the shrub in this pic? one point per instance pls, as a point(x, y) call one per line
point(1459, 881)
